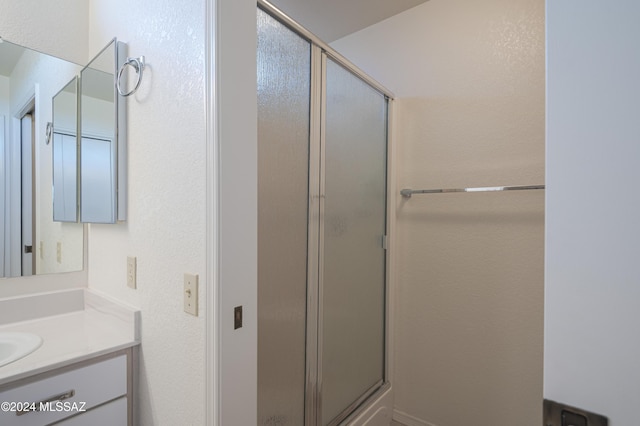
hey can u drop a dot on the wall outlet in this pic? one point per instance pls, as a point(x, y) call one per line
point(191, 294)
point(131, 272)
point(59, 252)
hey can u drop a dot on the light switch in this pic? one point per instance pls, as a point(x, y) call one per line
point(191, 294)
point(131, 272)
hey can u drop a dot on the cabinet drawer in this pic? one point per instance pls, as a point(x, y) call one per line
point(91, 385)
point(111, 414)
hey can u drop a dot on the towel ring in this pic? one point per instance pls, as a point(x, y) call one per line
point(138, 65)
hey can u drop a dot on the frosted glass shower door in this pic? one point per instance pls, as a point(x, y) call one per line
point(284, 79)
point(322, 203)
point(353, 275)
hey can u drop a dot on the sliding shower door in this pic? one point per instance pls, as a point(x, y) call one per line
point(352, 237)
point(322, 144)
point(284, 64)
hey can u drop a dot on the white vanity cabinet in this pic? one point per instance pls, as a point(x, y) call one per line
point(97, 391)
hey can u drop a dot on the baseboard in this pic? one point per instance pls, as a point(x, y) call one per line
point(408, 420)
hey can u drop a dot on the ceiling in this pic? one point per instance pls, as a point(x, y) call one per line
point(333, 19)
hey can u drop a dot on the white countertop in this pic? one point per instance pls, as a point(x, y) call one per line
point(91, 328)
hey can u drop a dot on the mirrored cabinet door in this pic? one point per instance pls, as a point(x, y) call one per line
point(65, 153)
point(102, 144)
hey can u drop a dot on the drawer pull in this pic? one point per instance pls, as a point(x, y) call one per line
point(37, 406)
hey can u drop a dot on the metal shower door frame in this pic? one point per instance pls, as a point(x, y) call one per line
point(316, 401)
point(320, 52)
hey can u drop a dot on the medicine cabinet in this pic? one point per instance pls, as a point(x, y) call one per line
point(97, 194)
point(102, 173)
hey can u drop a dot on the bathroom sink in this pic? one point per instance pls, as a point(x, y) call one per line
point(14, 345)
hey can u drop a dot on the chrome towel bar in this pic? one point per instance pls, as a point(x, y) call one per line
point(407, 193)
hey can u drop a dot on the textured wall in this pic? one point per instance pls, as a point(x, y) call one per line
point(592, 297)
point(58, 27)
point(165, 228)
point(469, 313)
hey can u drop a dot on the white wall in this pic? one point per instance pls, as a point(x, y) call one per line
point(165, 226)
point(469, 77)
point(592, 297)
point(58, 27)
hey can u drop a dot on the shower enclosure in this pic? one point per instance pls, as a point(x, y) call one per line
point(322, 221)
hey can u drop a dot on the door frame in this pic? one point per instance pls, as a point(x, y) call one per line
point(231, 216)
point(13, 193)
point(27, 193)
point(231, 209)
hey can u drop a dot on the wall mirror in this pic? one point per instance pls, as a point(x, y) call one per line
point(31, 242)
point(102, 142)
